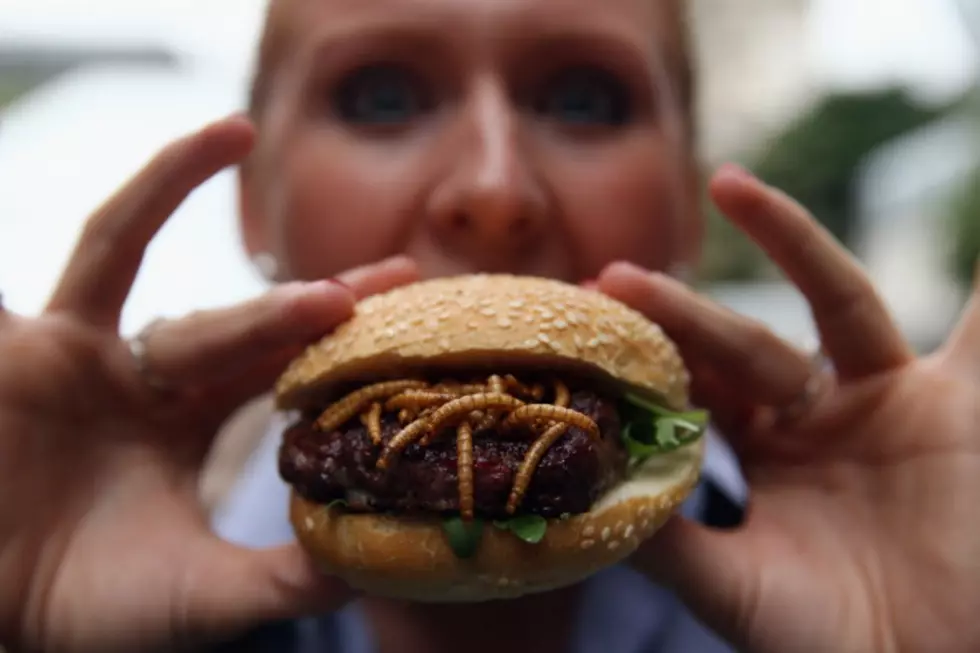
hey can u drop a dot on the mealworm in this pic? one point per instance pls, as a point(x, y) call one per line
point(531, 460)
point(405, 416)
point(374, 422)
point(401, 440)
point(535, 392)
point(417, 399)
point(464, 406)
point(487, 422)
point(341, 411)
point(562, 396)
point(457, 389)
point(464, 467)
point(547, 412)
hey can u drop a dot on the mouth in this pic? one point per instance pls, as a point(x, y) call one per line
point(429, 269)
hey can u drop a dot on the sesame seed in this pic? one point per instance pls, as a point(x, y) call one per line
point(588, 531)
point(489, 312)
point(606, 532)
point(309, 523)
point(588, 544)
point(629, 531)
point(613, 545)
point(503, 323)
point(561, 325)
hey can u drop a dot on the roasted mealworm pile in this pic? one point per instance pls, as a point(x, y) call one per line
point(426, 411)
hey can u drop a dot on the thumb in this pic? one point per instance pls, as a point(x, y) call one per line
point(705, 568)
point(234, 589)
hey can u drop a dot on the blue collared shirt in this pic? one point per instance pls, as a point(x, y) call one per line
point(626, 613)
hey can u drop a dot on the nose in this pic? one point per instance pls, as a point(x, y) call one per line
point(490, 202)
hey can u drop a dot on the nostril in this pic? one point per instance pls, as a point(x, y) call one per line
point(460, 220)
point(520, 224)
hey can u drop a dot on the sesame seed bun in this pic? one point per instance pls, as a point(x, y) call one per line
point(492, 321)
point(503, 323)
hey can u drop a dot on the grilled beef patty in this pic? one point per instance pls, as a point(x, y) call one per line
point(575, 471)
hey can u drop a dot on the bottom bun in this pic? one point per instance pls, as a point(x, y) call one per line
point(410, 558)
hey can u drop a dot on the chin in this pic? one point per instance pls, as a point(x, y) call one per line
point(485, 436)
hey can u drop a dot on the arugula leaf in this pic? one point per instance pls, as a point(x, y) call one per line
point(653, 430)
point(530, 528)
point(693, 419)
point(464, 536)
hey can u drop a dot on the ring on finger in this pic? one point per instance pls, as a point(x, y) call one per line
point(138, 348)
point(819, 364)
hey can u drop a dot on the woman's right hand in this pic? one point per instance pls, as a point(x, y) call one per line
point(103, 543)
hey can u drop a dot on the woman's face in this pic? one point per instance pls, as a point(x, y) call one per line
point(527, 136)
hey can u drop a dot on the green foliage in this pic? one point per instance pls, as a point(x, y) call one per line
point(12, 87)
point(815, 160)
point(965, 231)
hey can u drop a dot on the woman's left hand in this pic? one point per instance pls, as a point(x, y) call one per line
point(862, 531)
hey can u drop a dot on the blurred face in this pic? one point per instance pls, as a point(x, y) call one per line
point(528, 136)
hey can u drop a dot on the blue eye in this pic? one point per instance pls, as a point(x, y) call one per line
point(380, 95)
point(584, 96)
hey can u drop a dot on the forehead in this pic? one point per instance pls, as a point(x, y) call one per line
point(646, 25)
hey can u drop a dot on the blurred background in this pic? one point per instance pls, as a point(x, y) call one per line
point(868, 112)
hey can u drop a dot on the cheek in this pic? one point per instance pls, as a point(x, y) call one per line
point(333, 217)
point(627, 206)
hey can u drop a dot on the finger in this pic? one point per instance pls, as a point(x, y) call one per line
point(213, 345)
point(219, 344)
point(964, 342)
point(708, 570)
point(855, 326)
point(235, 589)
point(377, 278)
point(721, 397)
point(754, 360)
point(109, 252)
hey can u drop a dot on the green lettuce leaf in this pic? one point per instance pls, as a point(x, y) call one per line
point(464, 536)
point(652, 430)
point(530, 528)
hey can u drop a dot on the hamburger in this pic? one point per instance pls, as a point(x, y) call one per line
point(485, 437)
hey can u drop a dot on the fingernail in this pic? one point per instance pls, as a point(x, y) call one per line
point(397, 261)
point(338, 282)
point(589, 284)
point(735, 171)
point(627, 266)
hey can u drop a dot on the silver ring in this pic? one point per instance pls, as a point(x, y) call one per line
point(138, 349)
point(819, 364)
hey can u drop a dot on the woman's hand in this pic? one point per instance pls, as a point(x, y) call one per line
point(862, 531)
point(103, 543)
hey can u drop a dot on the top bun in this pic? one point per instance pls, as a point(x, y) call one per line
point(499, 322)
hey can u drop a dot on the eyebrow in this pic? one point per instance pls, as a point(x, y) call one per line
point(428, 30)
